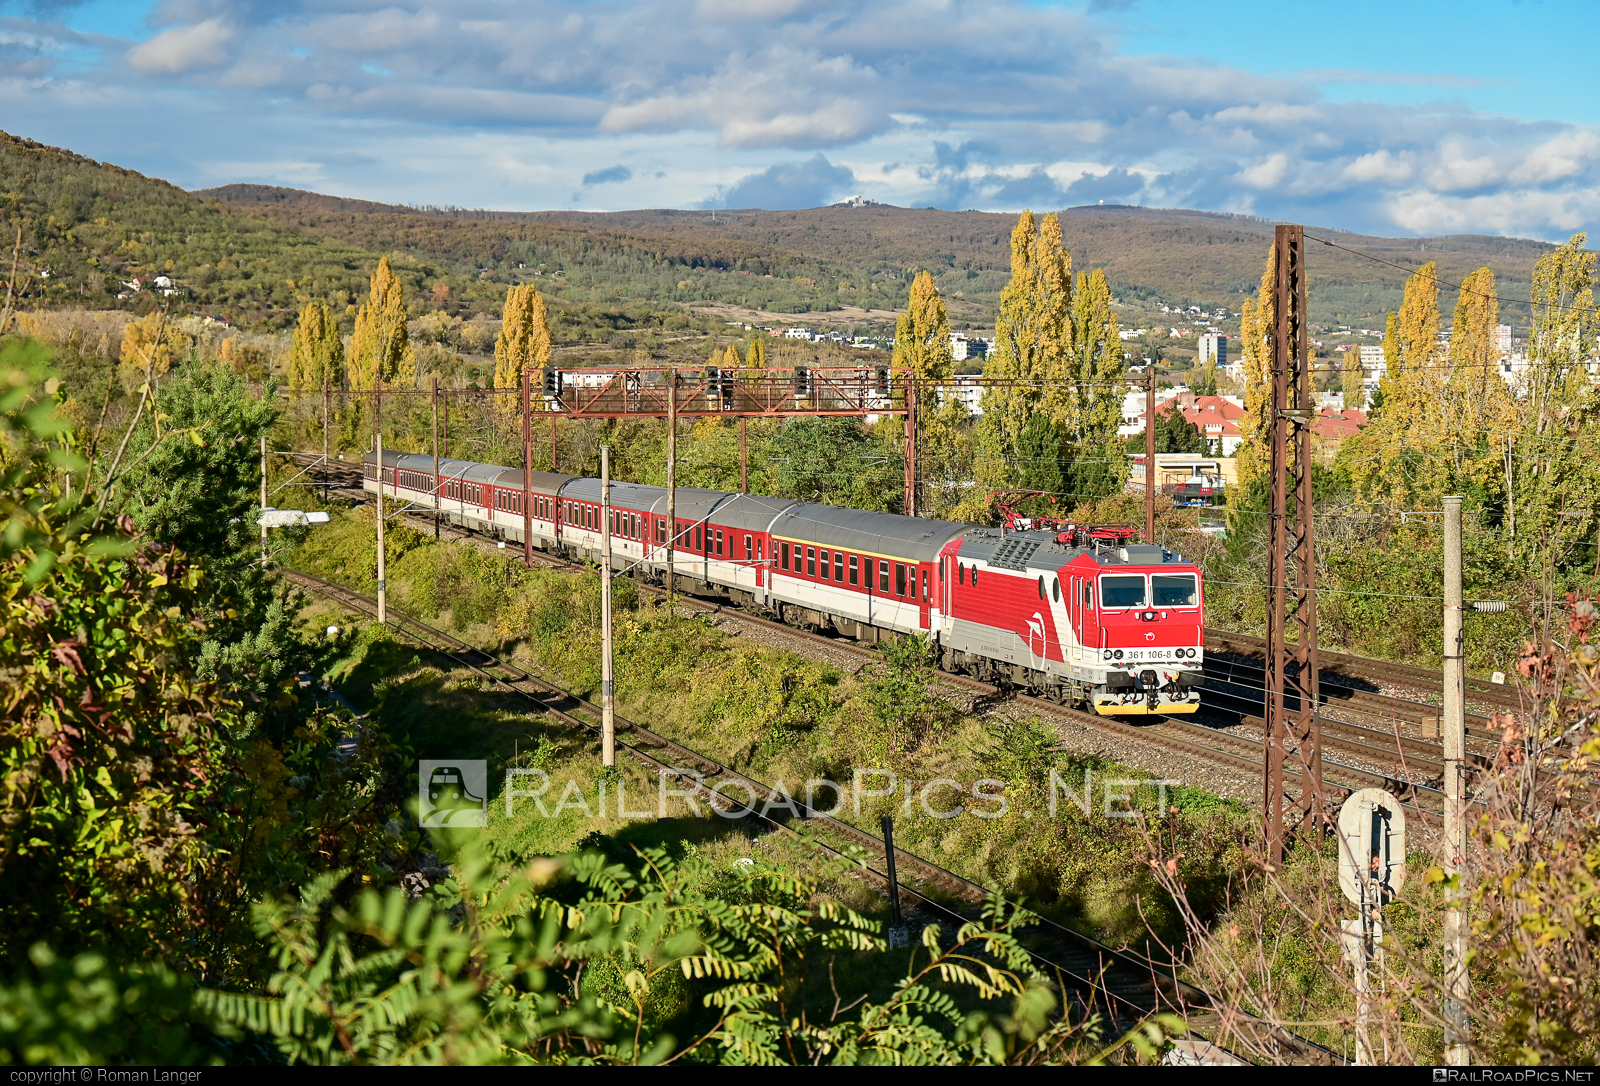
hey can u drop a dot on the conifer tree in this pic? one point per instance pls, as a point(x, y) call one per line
point(380, 349)
point(523, 344)
point(316, 353)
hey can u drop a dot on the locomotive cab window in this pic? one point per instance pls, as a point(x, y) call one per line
point(1041, 588)
point(1123, 590)
point(1174, 590)
point(1055, 590)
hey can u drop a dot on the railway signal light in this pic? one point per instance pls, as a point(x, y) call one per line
point(552, 382)
point(802, 382)
point(882, 375)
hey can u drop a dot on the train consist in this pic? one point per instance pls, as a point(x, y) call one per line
point(1080, 616)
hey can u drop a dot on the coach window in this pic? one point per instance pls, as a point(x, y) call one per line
point(925, 594)
point(761, 550)
point(699, 537)
point(785, 548)
point(719, 542)
point(811, 561)
point(838, 566)
point(855, 570)
point(749, 548)
point(899, 579)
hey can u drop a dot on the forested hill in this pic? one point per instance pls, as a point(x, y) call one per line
point(253, 254)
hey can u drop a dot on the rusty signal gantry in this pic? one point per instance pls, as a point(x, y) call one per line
point(1292, 694)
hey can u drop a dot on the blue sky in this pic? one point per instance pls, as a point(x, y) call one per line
point(1394, 118)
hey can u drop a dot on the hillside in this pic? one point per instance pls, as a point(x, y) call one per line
point(253, 254)
point(859, 256)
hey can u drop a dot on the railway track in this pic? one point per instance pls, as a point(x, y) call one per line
point(1120, 984)
point(1173, 734)
point(1345, 671)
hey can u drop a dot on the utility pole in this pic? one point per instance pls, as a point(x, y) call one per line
point(383, 593)
point(911, 445)
point(1150, 453)
point(608, 685)
point(1292, 681)
point(327, 408)
point(1455, 816)
point(438, 497)
point(553, 414)
point(744, 459)
point(263, 498)
point(672, 480)
point(527, 469)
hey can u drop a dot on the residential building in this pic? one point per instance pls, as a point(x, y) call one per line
point(963, 347)
point(1502, 340)
point(1214, 348)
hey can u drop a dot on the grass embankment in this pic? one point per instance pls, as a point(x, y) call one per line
point(778, 716)
point(775, 716)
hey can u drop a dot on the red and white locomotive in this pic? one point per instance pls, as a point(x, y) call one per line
point(1082, 617)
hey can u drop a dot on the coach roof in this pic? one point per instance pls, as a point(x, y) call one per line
point(879, 533)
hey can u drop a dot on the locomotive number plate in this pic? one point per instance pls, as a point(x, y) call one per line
point(1148, 656)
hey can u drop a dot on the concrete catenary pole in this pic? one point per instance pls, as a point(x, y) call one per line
point(383, 589)
point(1455, 815)
point(438, 497)
point(527, 469)
point(1150, 453)
point(672, 480)
point(608, 685)
point(263, 499)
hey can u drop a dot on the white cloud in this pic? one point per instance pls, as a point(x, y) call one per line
point(960, 103)
point(183, 49)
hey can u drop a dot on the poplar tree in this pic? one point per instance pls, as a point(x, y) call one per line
point(755, 356)
point(1256, 324)
point(380, 349)
point(922, 346)
point(1476, 397)
point(1351, 385)
point(523, 344)
point(316, 353)
point(1096, 374)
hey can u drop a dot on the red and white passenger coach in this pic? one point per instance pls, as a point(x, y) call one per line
point(1072, 615)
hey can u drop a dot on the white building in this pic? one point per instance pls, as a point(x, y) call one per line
point(797, 333)
point(1502, 340)
point(1214, 348)
point(964, 390)
point(963, 347)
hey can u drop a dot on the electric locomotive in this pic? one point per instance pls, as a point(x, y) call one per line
point(1083, 616)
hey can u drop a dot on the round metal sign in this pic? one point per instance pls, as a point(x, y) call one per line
point(1372, 847)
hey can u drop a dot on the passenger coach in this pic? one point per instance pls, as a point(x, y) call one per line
point(1120, 628)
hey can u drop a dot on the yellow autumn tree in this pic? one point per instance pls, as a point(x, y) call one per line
point(922, 348)
point(380, 349)
point(523, 345)
point(316, 352)
point(1352, 390)
point(1095, 385)
point(1476, 398)
point(1256, 322)
point(1405, 457)
point(141, 353)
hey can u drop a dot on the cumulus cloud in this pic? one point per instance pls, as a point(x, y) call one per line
point(183, 48)
point(996, 104)
point(790, 185)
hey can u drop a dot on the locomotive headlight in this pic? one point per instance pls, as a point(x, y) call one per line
point(1118, 654)
point(1106, 655)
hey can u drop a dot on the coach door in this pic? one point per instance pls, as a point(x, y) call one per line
point(924, 572)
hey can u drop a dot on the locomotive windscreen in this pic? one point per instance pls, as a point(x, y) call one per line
point(1122, 591)
point(1175, 590)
